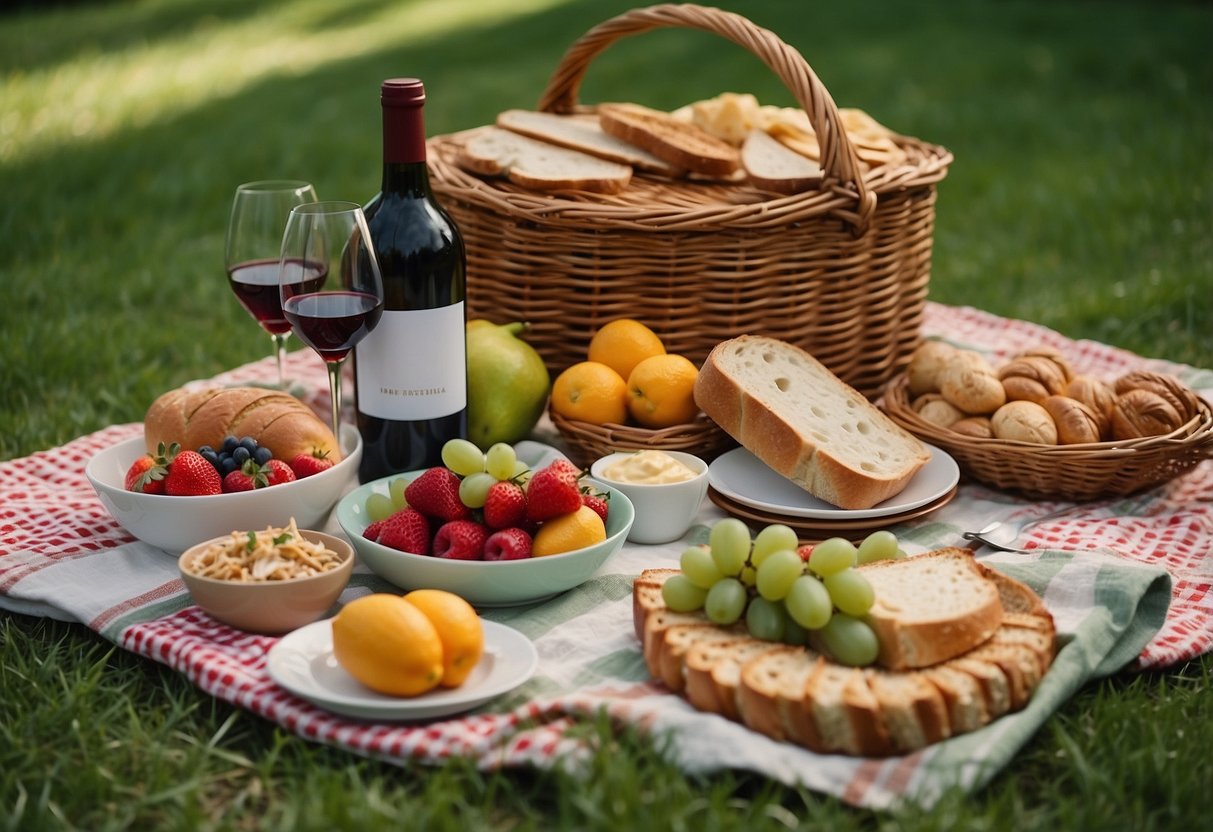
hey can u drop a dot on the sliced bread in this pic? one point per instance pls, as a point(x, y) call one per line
point(772, 684)
point(678, 640)
point(962, 694)
point(931, 607)
point(713, 673)
point(585, 134)
point(800, 419)
point(492, 151)
point(773, 165)
point(678, 142)
point(912, 710)
point(844, 711)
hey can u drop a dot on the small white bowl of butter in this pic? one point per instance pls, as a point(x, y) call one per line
point(665, 487)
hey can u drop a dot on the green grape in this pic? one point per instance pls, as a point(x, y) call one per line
point(725, 602)
point(901, 554)
point(793, 633)
point(681, 595)
point(771, 539)
point(522, 472)
point(777, 574)
point(833, 555)
point(850, 641)
point(474, 489)
point(808, 603)
point(730, 544)
point(697, 564)
point(749, 575)
point(881, 545)
point(765, 619)
point(462, 457)
point(499, 460)
point(395, 489)
point(379, 507)
point(850, 591)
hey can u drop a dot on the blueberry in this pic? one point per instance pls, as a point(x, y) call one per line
point(229, 443)
point(208, 453)
point(227, 466)
point(241, 454)
point(248, 443)
point(263, 455)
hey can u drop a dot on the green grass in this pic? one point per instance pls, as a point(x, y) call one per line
point(1081, 198)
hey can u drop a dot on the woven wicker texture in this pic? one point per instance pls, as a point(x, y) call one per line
point(587, 442)
point(1065, 472)
point(841, 271)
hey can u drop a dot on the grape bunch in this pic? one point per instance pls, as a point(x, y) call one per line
point(784, 592)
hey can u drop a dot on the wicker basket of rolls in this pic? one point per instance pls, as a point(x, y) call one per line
point(1036, 426)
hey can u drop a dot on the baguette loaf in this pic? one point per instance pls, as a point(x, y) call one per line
point(773, 165)
point(800, 419)
point(584, 134)
point(795, 694)
point(492, 151)
point(277, 420)
point(931, 608)
point(679, 143)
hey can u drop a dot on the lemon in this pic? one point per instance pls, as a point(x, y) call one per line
point(388, 644)
point(567, 532)
point(459, 630)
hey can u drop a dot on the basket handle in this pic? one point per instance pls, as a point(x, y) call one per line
point(839, 162)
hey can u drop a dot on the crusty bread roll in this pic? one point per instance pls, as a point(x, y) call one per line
point(973, 388)
point(1024, 421)
point(926, 367)
point(1139, 413)
point(1076, 423)
point(795, 415)
point(277, 420)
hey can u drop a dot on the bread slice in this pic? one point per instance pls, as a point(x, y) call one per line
point(845, 714)
point(492, 151)
point(995, 686)
point(772, 165)
point(799, 418)
point(772, 684)
point(713, 673)
point(931, 607)
point(678, 142)
point(962, 695)
point(655, 625)
point(585, 134)
point(912, 710)
point(646, 596)
point(678, 640)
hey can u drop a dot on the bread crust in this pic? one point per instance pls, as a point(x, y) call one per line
point(679, 143)
point(805, 460)
point(277, 420)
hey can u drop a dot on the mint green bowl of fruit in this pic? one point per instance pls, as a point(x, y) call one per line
point(494, 527)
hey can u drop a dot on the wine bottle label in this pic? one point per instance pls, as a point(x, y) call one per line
point(413, 365)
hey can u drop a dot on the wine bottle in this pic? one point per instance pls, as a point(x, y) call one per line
point(410, 372)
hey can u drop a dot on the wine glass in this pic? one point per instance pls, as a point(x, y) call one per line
point(330, 284)
point(253, 251)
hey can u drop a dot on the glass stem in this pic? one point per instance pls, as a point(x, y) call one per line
point(334, 368)
point(279, 339)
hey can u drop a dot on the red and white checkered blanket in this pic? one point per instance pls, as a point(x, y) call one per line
point(1128, 581)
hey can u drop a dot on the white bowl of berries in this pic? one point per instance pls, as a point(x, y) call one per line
point(178, 507)
point(487, 526)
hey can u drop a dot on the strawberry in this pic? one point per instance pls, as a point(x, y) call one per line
point(190, 475)
point(505, 505)
point(552, 491)
point(306, 464)
point(247, 477)
point(278, 472)
point(460, 540)
point(407, 530)
point(435, 493)
point(372, 531)
point(805, 550)
point(146, 473)
point(600, 503)
point(507, 544)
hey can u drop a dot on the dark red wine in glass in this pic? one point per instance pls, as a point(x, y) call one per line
point(254, 247)
point(330, 239)
point(256, 287)
point(332, 322)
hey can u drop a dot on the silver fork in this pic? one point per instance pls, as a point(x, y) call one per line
point(983, 535)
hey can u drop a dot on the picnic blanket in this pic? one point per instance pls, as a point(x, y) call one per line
point(1127, 581)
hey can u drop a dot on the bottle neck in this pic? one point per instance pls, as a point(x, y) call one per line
point(404, 169)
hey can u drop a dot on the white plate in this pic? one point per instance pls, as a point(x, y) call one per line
point(302, 662)
point(743, 477)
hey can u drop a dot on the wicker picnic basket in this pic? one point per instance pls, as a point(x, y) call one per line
point(1090, 471)
point(841, 271)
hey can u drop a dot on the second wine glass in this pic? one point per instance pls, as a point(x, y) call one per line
point(330, 284)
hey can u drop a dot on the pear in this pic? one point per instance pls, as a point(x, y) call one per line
point(508, 383)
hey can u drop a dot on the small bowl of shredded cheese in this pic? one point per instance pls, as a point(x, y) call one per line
point(270, 581)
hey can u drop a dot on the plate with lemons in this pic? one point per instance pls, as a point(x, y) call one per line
point(303, 662)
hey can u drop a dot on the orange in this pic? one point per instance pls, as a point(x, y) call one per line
point(567, 532)
point(661, 391)
point(624, 343)
point(388, 645)
point(591, 392)
point(459, 629)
